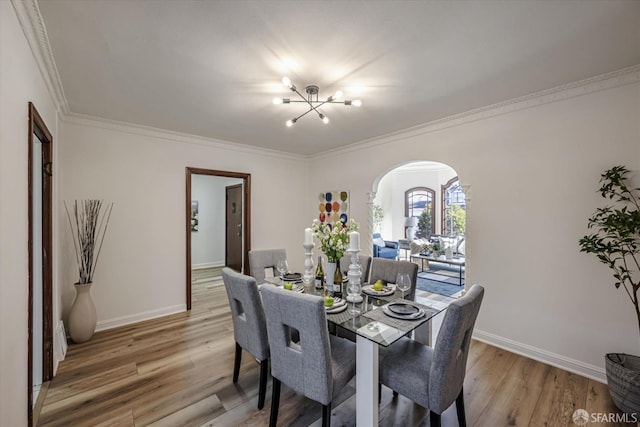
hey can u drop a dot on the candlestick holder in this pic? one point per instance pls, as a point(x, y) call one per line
point(309, 275)
point(355, 275)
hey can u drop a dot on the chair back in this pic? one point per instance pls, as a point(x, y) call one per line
point(304, 366)
point(247, 312)
point(365, 263)
point(388, 269)
point(449, 364)
point(261, 259)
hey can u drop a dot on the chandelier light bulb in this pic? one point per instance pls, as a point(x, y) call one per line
point(337, 95)
point(277, 101)
point(356, 103)
point(287, 82)
point(324, 118)
point(291, 122)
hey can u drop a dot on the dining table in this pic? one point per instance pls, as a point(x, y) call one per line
point(374, 326)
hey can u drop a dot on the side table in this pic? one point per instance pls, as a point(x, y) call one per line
point(406, 246)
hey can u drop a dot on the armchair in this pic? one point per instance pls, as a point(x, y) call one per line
point(385, 248)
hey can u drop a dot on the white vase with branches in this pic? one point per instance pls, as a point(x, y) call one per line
point(88, 221)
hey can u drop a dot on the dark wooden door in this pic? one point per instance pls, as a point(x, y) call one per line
point(233, 233)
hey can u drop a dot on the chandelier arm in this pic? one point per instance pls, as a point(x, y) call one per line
point(308, 101)
point(304, 114)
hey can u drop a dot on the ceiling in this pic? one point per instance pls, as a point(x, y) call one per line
point(212, 68)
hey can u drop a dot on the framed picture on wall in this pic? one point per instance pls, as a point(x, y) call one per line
point(194, 215)
point(333, 206)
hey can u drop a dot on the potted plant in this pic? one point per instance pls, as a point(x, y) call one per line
point(88, 228)
point(616, 242)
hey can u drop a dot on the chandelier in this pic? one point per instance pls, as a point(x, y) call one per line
point(313, 101)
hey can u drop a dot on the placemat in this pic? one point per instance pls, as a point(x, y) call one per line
point(402, 325)
point(342, 317)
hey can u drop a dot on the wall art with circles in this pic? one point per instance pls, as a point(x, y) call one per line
point(333, 206)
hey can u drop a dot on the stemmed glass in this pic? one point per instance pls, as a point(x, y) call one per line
point(353, 290)
point(282, 267)
point(403, 282)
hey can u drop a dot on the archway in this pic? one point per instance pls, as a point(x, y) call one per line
point(424, 209)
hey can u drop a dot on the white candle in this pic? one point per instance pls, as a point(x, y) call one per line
point(354, 241)
point(308, 236)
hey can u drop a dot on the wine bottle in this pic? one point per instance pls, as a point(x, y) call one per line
point(337, 281)
point(319, 275)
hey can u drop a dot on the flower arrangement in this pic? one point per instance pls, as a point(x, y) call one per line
point(334, 239)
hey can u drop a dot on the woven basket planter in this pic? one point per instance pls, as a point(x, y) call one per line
point(623, 378)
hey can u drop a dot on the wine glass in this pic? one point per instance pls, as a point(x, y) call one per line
point(282, 267)
point(403, 282)
point(353, 290)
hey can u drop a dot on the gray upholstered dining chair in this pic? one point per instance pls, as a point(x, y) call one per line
point(261, 259)
point(249, 325)
point(365, 263)
point(433, 376)
point(388, 269)
point(319, 365)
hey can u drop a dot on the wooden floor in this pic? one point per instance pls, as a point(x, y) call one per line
point(176, 371)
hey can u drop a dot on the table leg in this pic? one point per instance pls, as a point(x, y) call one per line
point(422, 333)
point(366, 382)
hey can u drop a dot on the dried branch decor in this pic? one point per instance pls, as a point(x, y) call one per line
point(88, 228)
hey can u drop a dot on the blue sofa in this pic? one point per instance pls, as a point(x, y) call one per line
point(390, 250)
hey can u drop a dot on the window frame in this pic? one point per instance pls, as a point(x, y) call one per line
point(429, 191)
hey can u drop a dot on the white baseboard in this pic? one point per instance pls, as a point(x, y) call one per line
point(207, 265)
point(103, 325)
point(577, 367)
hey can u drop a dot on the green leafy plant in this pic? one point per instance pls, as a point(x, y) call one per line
point(616, 237)
point(378, 216)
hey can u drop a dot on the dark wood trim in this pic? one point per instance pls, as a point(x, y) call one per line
point(246, 178)
point(443, 191)
point(38, 127)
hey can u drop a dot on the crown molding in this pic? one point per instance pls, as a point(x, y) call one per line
point(598, 83)
point(35, 32)
point(172, 136)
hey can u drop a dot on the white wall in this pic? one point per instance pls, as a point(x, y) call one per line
point(141, 272)
point(533, 169)
point(20, 82)
point(208, 243)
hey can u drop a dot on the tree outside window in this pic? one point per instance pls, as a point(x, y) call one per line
point(453, 208)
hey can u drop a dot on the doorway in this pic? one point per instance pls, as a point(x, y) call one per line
point(235, 205)
point(40, 244)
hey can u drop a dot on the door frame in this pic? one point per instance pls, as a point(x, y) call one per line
point(38, 127)
point(246, 181)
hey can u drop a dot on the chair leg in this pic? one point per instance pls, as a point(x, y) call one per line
point(236, 364)
point(326, 415)
point(462, 419)
point(275, 403)
point(435, 419)
point(264, 370)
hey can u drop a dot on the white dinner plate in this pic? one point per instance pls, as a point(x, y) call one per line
point(336, 309)
point(387, 290)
